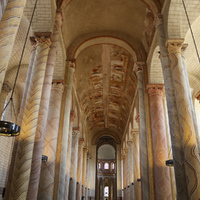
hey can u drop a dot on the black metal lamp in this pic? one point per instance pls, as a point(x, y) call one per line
point(8, 128)
point(44, 158)
point(170, 163)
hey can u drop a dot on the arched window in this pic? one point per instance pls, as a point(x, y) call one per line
point(99, 165)
point(113, 166)
point(106, 166)
point(106, 191)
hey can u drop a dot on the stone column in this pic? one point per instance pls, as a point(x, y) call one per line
point(74, 162)
point(143, 133)
point(136, 156)
point(43, 112)
point(8, 27)
point(85, 150)
point(21, 113)
point(127, 174)
point(81, 144)
point(28, 78)
point(188, 133)
point(23, 161)
point(69, 149)
point(50, 143)
point(64, 142)
point(178, 157)
point(159, 140)
point(130, 164)
point(124, 175)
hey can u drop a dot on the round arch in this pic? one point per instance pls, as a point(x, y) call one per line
point(75, 49)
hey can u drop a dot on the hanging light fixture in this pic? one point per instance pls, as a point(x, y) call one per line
point(8, 128)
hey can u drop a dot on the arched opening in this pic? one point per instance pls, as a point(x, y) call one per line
point(106, 173)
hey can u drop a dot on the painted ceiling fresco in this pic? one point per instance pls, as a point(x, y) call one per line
point(106, 86)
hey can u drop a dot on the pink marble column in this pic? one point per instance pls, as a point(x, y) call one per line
point(74, 162)
point(46, 184)
point(81, 144)
point(159, 140)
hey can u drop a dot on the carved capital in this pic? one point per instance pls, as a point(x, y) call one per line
point(6, 87)
point(75, 133)
point(72, 115)
point(158, 19)
point(155, 90)
point(129, 143)
point(137, 118)
point(138, 66)
point(123, 156)
point(85, 149)
point(57, 86)
point(81, 142)
point(135, 133)
point(174, 45)
point(72, 64)
point(43, 41)
point(126, 151)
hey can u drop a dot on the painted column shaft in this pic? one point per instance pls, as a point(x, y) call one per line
point(20, 116)
point(23, 161)
point(46, 184)
point(43, 113)
point(127, 175)
point(160, 148)
point(124, 175)
point(136, 154)
point(68, 164)
point(64, 144)
point(8, 28)
point(74, 162)
point(85, 150)
point(178, 157)
point(143, 135)
point(188, 137)
point(79, 169)
point(131, 172)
